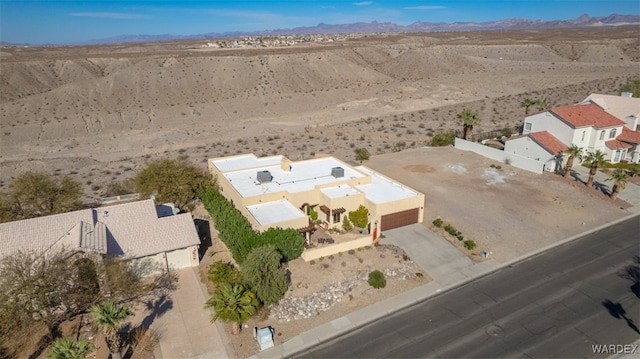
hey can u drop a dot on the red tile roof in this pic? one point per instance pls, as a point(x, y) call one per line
point(548, 142)
point(628, 135)
point(617, 145)
point(586, 115)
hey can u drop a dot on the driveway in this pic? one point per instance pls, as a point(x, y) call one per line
point(182, 322)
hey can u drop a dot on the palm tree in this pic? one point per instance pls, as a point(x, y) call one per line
point(620, 178)
point(108, 317)
point(234, 304)
point(543, 104)
point(66, 348)
point(596, 159)
point(573, 151)
point(469, 119)
point(526, 103)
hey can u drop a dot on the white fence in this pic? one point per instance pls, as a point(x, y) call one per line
point(514, 160)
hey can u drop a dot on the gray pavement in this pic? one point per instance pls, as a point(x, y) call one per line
point(182, 322)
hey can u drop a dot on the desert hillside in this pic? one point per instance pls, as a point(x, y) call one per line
point(99, 112)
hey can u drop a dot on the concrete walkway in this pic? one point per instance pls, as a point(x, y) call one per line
point(182, 322)
point(443, 261)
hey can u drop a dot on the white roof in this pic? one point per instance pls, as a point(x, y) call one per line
point(241, 162)
point(382, 189)
point(340, 191)
point(275, 212)
point(131, 229)
point(304, 176)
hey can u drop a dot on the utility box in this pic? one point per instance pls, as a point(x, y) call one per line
point(337, 172)
point(264, 176)
point(264, 337)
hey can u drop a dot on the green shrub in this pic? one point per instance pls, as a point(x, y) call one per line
point(437, 222)
point(313, 214)
point(223, 272)
point(360, 217)
point(460, 237)
point(312, 262)
point(419, 274)
point(351, 251)
point(377, 279)
point(469, 244)
point(443, 139)
point(331, 257)
point(346, 224)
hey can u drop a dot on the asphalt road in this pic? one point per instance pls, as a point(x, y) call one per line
point(557, 304)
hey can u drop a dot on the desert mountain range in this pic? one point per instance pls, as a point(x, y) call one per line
point(99, 112)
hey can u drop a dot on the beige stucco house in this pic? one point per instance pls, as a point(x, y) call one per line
point(135, 230)
point(276, 192)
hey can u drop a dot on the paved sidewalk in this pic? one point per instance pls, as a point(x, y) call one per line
point(183, 323)
point(631, 193)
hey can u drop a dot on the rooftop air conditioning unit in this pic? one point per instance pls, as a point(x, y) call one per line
point(264, 176)
point(337, 172)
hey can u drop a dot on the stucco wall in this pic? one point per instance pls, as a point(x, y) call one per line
point(526, 147)
point(310, 254)
point(500, 156)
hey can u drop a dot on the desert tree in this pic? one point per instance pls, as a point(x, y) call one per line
point(543, 104)
point(67, 348)
point(175, 181)
point(36, 194)
point(620, 178)
point(574, 151)
point(469, 119)
point(43, 290)
point(234, 304)
point(108, 316)
point(264, 275)
point(362, 154)
point(595, 159)
point(527, 103)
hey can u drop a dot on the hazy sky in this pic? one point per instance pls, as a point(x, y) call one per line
point(40, 22)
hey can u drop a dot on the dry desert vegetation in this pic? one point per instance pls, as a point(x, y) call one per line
point(98, 113)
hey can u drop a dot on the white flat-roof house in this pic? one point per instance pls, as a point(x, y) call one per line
point(586, 125)
point(134, 230)
point(276, 192)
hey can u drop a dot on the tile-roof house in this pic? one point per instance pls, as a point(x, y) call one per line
point(134, 230)
point(540, 146)
point(588, 126)
point(624, 107)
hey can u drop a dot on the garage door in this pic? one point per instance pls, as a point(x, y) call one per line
point(399, 219)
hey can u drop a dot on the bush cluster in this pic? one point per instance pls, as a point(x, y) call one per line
point(377, 279)
point(238, 235)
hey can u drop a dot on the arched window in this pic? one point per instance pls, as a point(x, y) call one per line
point(612, 134)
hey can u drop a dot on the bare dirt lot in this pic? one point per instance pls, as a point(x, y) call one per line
point(99, 113)
point(507, 211)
